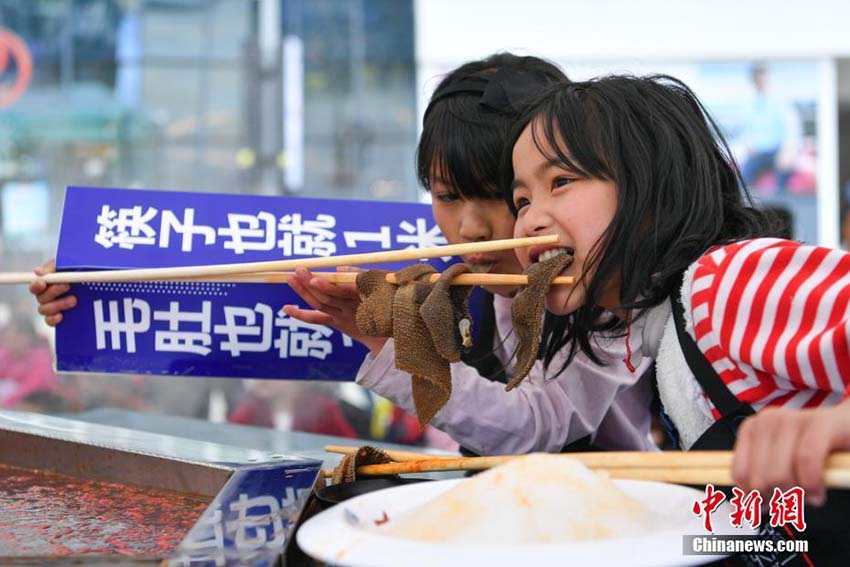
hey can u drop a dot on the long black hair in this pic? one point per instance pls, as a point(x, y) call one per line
point(679, 190)
point(468, 120)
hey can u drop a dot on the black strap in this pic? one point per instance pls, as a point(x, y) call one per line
point(719, 394)
point(470, 86)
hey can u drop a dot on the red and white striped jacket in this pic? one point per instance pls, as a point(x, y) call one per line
point(772, 317)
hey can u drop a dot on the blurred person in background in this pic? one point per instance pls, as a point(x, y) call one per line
point(845, 217)
point(329, 408)
point(771, 137)
point(26, 365)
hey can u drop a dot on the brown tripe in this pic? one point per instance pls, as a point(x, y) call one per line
point(374, 315)
point(415, 352)
point(527, 313)
point(445, 310)
point(424, 321)
point(346, 470)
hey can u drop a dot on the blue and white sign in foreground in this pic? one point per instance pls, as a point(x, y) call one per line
point(214, 329)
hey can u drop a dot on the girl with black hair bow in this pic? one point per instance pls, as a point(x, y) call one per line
point(465, 131)
point(749, 333)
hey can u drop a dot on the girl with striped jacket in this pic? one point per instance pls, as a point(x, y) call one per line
point(749, 333)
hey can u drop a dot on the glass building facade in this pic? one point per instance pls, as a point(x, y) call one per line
point(183, 95)
point(314, 98)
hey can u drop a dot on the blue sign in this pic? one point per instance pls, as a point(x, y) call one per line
point(214, 329)
point(252, 520)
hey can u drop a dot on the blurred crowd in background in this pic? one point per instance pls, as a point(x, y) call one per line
point(183, 94)
point(29, 383)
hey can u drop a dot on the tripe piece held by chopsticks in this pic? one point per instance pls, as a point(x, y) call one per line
point(159, 274)
point(398, 456)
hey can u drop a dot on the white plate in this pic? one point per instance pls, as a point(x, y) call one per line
point(333, 538)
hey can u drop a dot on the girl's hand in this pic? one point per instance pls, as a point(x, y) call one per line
point(788, 447)
point(334, 305)
point(51, 297)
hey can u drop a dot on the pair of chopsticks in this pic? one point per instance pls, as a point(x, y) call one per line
point(272, 272)
point(680, 467)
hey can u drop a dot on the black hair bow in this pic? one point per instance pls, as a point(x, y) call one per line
point(503, 92)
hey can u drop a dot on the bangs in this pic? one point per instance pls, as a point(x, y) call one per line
point(462, 148)
point(567, 130)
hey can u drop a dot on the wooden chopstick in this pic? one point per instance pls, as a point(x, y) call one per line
point(722, 476)
point(608, 459)
point(605, 459)
point(159, 274)
point(351, 277)
point(686, 467)
point(337, 278)
point(684, 460)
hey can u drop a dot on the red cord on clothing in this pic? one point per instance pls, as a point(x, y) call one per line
point(628, 359)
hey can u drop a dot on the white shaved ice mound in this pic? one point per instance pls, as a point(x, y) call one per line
point(536, 499)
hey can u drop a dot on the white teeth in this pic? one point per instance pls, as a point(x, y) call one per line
point(549, 254)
